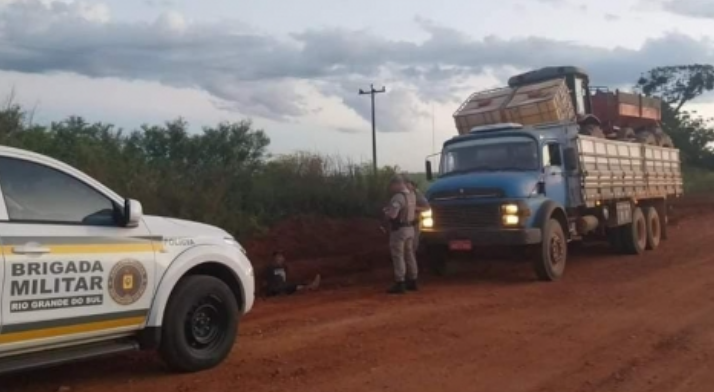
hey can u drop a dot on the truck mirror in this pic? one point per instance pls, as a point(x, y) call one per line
point(429, 174)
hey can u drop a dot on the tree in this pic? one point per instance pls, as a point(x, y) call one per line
point(678, 84)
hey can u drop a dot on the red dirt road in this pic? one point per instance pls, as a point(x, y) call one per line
point(614, 323)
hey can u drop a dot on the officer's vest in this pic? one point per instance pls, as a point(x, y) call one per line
point(407, 215)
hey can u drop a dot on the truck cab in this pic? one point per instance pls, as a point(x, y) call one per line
point(501, 185)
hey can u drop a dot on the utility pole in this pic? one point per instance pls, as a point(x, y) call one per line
point(372, 92)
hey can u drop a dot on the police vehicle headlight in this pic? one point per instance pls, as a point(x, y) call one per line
point(427, 220)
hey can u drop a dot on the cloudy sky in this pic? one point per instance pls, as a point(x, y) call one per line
point(295, 67)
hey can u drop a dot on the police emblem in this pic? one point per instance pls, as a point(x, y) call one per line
point(127, 282)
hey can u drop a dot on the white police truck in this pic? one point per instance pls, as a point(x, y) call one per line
point(83, 273)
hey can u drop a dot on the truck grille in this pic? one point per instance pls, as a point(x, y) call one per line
point(466, 216)
point(467, 193)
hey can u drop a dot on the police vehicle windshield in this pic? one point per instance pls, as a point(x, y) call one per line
point(513, 153)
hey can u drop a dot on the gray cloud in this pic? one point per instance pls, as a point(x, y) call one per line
point(692, 8)
point(611, 17)
point(159, 3)
point(257, 74)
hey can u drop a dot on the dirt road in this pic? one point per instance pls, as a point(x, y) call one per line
point(612, 324)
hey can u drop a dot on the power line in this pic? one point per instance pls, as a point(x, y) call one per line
point(372, 92)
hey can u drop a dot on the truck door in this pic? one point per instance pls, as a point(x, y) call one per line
point(71, 273)
point(554, 172)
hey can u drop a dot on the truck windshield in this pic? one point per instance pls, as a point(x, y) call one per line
point(515, 153)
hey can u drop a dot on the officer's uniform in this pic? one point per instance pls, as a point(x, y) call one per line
point(402, 211)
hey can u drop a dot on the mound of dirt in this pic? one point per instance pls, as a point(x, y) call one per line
point(318, 240)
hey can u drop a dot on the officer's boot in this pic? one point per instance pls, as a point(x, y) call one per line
point(398, 288)
point(411, 285)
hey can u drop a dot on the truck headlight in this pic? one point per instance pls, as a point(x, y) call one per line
point(510, 209)
point(512, 214)
point(511, 220)
point(427, 220)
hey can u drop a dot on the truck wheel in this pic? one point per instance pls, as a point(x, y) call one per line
point(634, 235)
point(550, 260)
point(438, 260)
point(200, 324)
point(654, 228)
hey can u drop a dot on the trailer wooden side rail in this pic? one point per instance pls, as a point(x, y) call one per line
point(613, 170)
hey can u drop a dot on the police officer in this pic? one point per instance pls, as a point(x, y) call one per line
point(422, 204)
point(401, 213)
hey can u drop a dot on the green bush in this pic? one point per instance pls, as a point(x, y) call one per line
point(222, 175)
point(697, 180)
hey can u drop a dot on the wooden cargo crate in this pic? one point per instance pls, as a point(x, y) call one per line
point(482, 108)
point(540, 103)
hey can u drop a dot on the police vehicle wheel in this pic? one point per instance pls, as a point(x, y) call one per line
point(634, 235)
point(654, 228)
point(200, 324)
point(550, 261)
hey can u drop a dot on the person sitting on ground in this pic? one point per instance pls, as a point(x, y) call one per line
point(276, 278)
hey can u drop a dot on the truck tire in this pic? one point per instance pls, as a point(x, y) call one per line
point(654, 228)
point(634, 235)
point(549, 264)
point(437, 258)
point(200, 324)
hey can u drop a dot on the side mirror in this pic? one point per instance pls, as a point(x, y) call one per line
point(132, 212)
point(429, 174)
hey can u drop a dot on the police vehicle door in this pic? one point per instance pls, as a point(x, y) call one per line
point(71, 272)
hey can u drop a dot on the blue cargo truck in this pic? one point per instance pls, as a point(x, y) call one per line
point(543, 186)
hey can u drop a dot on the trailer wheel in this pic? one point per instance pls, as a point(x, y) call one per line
point(549, 264)
point(654, 228)
point(634, 235)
